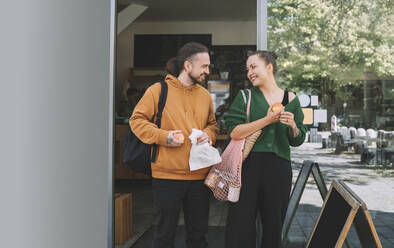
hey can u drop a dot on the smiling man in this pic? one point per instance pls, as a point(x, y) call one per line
point(189, 105)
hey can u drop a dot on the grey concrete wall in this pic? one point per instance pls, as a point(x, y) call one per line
point(56, 117)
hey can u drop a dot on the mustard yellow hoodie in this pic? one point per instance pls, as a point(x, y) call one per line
point(186, 108)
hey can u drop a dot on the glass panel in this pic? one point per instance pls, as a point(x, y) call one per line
point(340, 51)
point(338, 56)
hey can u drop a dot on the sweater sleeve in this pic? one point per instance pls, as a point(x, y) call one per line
point(298, 119)
point(144, 111)
point(236, 114)
point(211, 129)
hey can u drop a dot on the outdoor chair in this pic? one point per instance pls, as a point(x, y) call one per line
point(341, 145)
point(385, 148)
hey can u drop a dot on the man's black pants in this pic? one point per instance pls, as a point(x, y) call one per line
point(266, 183)
point(169, 196)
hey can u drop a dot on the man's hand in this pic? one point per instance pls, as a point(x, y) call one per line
point(172, 141)
point(204, 138)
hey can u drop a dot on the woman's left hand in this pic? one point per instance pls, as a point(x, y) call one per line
point(287, 118)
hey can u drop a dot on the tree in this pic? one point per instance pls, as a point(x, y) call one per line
point(324, 45)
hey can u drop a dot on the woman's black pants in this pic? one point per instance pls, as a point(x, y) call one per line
point(266, 185)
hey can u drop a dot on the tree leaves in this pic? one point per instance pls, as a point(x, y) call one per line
point(334, 41)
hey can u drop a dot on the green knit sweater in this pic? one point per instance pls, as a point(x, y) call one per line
point(274, 137)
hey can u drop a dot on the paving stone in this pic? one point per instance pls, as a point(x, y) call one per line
point(373, 185)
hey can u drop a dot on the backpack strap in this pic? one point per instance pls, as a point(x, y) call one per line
point(162, 103)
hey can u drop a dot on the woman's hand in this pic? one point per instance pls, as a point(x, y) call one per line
point(172, 141)
point(287, 118)
point(272, 117)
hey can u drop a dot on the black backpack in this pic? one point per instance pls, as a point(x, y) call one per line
point(136, 154)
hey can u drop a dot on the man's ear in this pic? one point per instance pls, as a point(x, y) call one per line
point(188, 66)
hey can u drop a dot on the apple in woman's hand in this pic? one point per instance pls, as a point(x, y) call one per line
point(277, 107)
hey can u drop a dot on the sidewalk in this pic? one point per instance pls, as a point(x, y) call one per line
point(373, 185)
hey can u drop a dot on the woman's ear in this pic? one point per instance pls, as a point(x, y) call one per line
point(270, 68)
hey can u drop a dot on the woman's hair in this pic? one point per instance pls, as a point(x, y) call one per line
point(174, 66)
point(268, 57)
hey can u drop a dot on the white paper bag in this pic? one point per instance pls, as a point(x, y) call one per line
point(202, 155)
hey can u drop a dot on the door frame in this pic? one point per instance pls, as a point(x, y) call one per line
point(111, 124)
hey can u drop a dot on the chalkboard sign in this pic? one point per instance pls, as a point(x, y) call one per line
point(341, 208)
point(363, 223)
point(308, 168)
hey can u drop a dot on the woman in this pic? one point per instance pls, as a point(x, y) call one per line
point(266, 173)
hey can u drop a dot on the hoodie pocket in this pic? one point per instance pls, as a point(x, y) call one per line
point(173, 159)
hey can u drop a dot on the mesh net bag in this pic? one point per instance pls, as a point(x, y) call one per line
point(249, 143)
point(224, 179)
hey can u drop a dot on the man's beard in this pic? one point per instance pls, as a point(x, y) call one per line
point(195, 81)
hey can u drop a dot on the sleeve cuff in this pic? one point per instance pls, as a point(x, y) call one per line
point(211, 135)
point(297, 141)
point(163, 135)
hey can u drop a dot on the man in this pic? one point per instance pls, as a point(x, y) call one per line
point(188, 106)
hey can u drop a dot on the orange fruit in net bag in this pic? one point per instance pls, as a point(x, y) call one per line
point(277, 107)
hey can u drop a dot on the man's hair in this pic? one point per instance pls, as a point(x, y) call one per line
point(175, 65)
point(268, 57)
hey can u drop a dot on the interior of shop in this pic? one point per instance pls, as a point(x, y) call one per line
point(151, 32)
point(143, 48)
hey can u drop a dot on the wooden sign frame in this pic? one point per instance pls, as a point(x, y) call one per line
point(307, 168)
point(342, 208)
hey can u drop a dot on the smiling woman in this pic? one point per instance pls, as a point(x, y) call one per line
point(267, 170)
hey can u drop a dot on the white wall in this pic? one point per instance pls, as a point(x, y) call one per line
point(55, 180)
point(128, 15)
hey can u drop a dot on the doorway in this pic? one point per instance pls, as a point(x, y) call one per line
point(228, 29)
